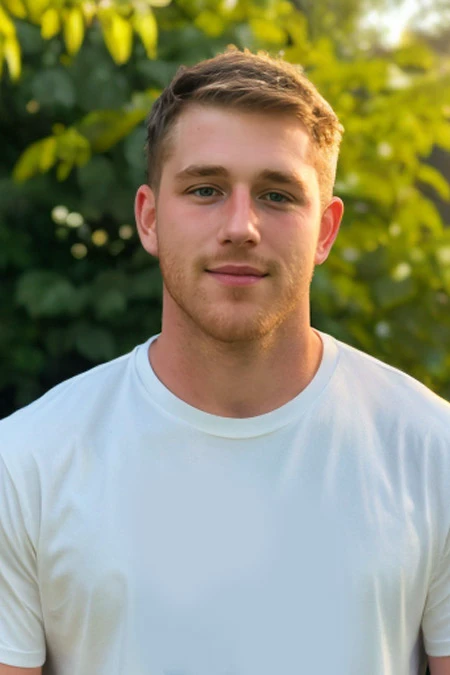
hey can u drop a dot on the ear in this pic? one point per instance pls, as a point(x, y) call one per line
point(145, 214)
point(329, 228)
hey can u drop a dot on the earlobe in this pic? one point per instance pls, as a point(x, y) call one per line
point(329, 228)
point(145, 214)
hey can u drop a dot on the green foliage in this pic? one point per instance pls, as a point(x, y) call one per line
point(77, 287)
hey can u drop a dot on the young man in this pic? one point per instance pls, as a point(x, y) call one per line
point(241, 495)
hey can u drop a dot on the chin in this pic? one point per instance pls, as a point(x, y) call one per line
point(222, 329)
point(227, 323)
point(230, 336)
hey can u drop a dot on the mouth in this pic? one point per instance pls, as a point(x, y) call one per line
point(237, 275)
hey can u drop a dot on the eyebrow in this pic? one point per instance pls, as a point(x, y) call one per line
point(272, 175)
point(200, 171)
point(284, 178)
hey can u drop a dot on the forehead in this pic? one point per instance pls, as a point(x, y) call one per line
point(237, 139)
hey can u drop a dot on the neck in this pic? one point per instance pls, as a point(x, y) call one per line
point(237, 379)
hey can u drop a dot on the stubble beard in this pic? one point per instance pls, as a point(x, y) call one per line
point(239, 322)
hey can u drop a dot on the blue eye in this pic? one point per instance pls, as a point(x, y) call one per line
point(277, 197)
point(204, 191)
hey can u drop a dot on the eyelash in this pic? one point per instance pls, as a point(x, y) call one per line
point(287, 200)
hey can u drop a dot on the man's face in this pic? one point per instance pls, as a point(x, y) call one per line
point(236, 224)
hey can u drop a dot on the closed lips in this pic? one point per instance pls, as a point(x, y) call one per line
point(237, 271)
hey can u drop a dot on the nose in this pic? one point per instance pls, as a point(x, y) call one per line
point(240, 223)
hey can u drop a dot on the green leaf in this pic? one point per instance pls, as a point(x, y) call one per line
point(52, 87)
point(105, 128)
point(210, 23)
point(28, 359)
point(118, 35)
point(97, 179)
point(109, 304)
point(431, 176)
point(443, 135)
point(47, 153)
point(268, 31)
point(95, 343)
point(28, 163)
point(50, 23)
point(7, 28)
point(73, 29)
point(16, 7)
point(68, 146)
point(417, 54)
point(45, 293)
point(134, 147)
point(63, 170)
point(12, 56)
point(430, 216)
point(390, 293)
point(147, 284)
point(146, 27)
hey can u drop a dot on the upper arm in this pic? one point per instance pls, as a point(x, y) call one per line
point(11, 670)
point(22, 639)
point(439, 665)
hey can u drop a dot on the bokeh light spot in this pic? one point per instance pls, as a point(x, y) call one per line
point(99, 237)
point(126, 231)
point(79, 251)
point(32, 106)
point(59, 214)
point(74, 220)
point(402, 271)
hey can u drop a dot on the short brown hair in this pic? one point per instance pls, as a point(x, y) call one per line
point(249, 82)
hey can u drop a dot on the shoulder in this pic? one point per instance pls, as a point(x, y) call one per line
point(390, 393)
point(65, 409)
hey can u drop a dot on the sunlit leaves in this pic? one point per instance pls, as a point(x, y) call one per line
point(11, 54)
point(36, 8)
point(123, 20)
point(210, 23)
point(118, 35)
point(7, 28)
point(429, 175)
point(415, 54)
point(144, 23)
point(120, 21)
point(268, 32)
point(50, 23)
point(9, 46)
point(67, 149)
point(16, 8)
point(96, 132)
point(48, 152)
point(105, 128)
point(73, 29)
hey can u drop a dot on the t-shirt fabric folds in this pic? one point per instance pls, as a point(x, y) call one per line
point(142, 536)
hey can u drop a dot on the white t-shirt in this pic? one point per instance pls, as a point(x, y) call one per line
point(141, 536)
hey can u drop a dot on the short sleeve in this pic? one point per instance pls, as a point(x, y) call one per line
point(436, 617)
point(22, 641)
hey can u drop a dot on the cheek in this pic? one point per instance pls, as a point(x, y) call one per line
point(292, 240)
point(181, 222)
